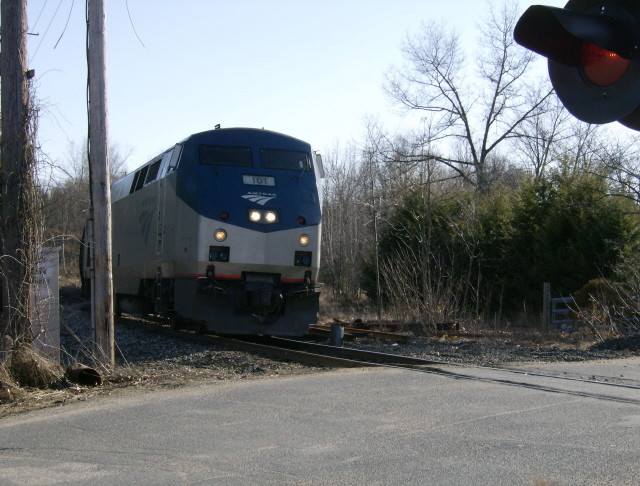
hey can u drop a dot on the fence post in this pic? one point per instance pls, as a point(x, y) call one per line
point(546, 306)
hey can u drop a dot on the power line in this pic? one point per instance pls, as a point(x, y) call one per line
point(45, 32)
point(133, 26)
point(65, 25)
point(40, 14)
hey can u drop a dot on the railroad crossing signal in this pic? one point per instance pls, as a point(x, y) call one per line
point(593, 48)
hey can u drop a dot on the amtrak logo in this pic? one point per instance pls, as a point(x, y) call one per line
point(144, 219)
point(259, 197)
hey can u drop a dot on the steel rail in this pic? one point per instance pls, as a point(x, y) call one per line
point(163, 326)
point(331, 356)
point(533, 386)
point(371, 358)
point(399, 359)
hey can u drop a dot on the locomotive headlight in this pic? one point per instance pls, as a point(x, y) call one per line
point(304, 240)
point(255, 216)
point(263, 216)
point(220, 235)
point(270, 217)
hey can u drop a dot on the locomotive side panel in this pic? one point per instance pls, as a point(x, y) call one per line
point(134, 229)
point(143, 229)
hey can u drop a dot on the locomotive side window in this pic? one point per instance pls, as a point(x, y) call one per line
point(225, 155)
point(152, 173)
point(138, 179)
point(134, 183)
point(284, 159)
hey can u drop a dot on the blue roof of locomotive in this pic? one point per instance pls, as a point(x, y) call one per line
point(210, 190)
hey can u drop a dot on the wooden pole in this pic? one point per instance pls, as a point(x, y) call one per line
point(14, 175)
point(102, 278)
point(376, 242)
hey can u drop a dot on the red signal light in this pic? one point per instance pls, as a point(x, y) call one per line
point(602, 67)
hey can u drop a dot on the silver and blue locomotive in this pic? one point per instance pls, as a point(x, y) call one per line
point(222, 231)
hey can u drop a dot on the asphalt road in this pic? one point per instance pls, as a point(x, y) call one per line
point(362, 427)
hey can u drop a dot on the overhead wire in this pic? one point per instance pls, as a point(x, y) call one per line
point(45, 32)
point(133, 26)
point(40, 14)
point(65, 25)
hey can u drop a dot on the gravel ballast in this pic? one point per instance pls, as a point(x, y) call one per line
point(149, 360)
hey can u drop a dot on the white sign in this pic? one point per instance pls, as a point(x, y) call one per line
point(45, 305)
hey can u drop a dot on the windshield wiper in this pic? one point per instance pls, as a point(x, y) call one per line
point(307, 167)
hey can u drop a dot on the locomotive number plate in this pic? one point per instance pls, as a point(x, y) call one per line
point(254, 180)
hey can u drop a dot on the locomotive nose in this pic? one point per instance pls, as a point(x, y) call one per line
point(259, 294)
point(262, 293)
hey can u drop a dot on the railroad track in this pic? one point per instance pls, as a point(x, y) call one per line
point(331, 356)
point(589, 388)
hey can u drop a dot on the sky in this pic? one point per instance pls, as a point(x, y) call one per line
point(313, 69)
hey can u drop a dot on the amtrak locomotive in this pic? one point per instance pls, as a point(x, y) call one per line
point(223, 231)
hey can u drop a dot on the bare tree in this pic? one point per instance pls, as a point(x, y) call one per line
point(541, 134)
point(470, 116)
point(345, 236)
point(617, 159)
point(583, 146)
point(66, 200)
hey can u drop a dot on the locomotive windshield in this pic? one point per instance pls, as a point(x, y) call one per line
point(225, 155)
point(284, 159)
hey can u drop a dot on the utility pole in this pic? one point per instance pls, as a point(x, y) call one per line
point(102, 278)
point(376, 239)
point(14, 173)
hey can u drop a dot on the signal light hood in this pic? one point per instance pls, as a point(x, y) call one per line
point(593, 55)
point(558, 33)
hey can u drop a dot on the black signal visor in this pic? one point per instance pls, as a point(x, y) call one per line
point(559, 34)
